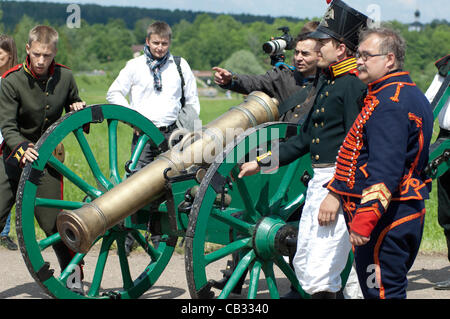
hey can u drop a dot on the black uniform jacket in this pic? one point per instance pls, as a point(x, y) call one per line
point(337, 103)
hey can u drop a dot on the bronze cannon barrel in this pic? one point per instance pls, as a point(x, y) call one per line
point(79, 228)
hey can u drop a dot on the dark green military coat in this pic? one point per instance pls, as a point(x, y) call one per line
point(30, 105)
point(336, 106)
point(288, 86)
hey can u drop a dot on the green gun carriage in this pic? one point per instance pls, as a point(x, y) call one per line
point(218, 216)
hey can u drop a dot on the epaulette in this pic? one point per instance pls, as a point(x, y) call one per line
point(342, 67)
point(12, 70)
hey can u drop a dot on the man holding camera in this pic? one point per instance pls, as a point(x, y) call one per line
point(323, 248)
point(289, 87)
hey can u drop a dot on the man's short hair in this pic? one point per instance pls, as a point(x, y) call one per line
point(160, 28)
point(306, 30)
point(348, 52)
point(43, 34)
point(391, 42)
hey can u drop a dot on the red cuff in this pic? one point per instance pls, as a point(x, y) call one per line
point(365, 220)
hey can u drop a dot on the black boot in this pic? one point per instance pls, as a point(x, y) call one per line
point(324, 295)
point(292, 294)
point(220, 284)
point(448, 246)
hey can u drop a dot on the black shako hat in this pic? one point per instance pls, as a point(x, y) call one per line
point(342, 23)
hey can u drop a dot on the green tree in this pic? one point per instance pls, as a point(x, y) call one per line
point(140, 29)
point(20, 35)
point(243, 62)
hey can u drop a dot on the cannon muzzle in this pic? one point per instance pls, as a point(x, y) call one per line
point(80, 228)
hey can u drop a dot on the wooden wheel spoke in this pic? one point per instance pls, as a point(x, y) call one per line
point(90, 158)
point(227, 250)
point(254, 280)
point(74, 178)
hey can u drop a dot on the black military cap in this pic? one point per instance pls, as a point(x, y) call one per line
point(342, 23)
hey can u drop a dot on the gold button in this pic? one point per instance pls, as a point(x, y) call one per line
point(46, 93)
point(316, 125)
point(47, 107)
point(303, 86)
point(317, 111)
point(317, 157)
point(322, 124)
point(322, 110)
point(295, 115)
point(321, 96)
point(298, 106)
point(332, 82)
point(326, 93)
point(314, 141)
point(46, 119)
point(317, 140)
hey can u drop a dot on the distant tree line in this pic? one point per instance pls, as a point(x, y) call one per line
point(107, 34)
point(56, 14)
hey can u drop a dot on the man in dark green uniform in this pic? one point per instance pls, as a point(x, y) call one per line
point(323, 245)
point(293, 88)
point(33, 96)
point(290, 87)
point(435, 93)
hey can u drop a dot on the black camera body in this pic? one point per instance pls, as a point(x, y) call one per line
point(277, 46)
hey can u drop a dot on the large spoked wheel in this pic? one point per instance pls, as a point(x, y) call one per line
point(105, 168)
point(261, 231)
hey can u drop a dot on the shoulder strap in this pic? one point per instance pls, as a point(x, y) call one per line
point(177, 60)
point(12, 70)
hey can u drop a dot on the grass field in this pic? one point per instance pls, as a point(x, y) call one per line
point(93, 91)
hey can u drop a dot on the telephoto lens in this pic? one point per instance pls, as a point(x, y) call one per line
point(274, 46)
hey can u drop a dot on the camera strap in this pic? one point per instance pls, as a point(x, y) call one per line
point(177, 60)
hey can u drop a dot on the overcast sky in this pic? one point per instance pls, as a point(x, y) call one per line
point(401, 10)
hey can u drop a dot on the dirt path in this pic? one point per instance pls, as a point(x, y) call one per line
point(16, 282)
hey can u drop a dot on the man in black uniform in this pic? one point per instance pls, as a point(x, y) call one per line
point(289, 87)
point(33, 96)
point(323, 248)
point(443, 182)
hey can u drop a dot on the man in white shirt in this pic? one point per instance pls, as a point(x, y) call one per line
point(153, 85)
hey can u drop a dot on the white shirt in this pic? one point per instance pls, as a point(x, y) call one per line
point(162, 108)
point(444, 114)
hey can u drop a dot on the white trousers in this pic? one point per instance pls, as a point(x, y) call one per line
point(322, 251)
